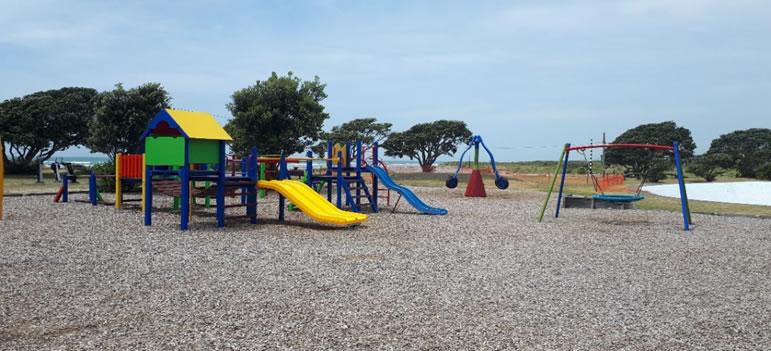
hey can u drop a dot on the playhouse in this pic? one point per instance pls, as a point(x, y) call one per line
point(181, 147)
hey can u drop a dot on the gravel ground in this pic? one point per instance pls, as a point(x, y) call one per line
point(487, 276)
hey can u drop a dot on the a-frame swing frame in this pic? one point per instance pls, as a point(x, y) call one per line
point(562, 165)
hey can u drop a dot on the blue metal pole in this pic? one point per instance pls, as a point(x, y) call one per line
point(359, 180)
point(309, 169)
point(251, 197)
point(374, 177)
point(148, 189)
point(329, 169)
point(282, 174)
point(66, 186)
point(347, 166)
point(339, 179)
point(681, 183)
point(92, 188)
point(221, 185)
point(184, 173)
point(562, 180)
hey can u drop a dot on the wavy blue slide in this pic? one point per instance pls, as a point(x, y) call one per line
point(405, 192)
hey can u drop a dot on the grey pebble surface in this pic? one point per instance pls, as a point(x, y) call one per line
point(486, 276)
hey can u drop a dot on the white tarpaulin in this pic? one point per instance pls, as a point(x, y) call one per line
point(752, 193)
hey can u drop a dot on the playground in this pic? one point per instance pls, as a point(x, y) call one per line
point(194, 248)
point(485, 276)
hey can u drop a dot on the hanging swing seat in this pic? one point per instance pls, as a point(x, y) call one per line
point(618, 197)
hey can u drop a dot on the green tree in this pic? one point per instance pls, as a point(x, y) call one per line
point(640, 162)
point(709, 166)
point(747, 150)
point(122, 115)
point(40, 124)
point(425, 142)
point(366, 130)
point(277, 114)
point(764, 171)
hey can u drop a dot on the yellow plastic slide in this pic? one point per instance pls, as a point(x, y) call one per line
point(311, 203)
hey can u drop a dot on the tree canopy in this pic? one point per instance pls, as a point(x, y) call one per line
point(748, 151)
point(40, 124)
point(640, 162)
point(710, 166)
point(282, 113)
point(122, 115)
point(367, 130)
point(425, 142)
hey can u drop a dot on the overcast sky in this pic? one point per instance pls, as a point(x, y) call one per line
point(526, 75)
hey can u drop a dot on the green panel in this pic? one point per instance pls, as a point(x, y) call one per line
point(204, 151)
point(164, 151)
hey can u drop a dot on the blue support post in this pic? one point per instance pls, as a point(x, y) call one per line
point(220, 202)
point(282, 174)
point(681, 183)
point(347, 166)
point(330, 156)
point(360, 181)
point(309, 169)
point(562, 180)
point(374, 177)
point(148, 189)
point(339, 179)
point(251, 197)
point(184, 175)
point(66, 187)
point(92, 188)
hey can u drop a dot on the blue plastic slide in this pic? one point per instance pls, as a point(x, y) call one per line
point(406, 193)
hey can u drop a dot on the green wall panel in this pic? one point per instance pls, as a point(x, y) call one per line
point(204, 151)
point(164, 151)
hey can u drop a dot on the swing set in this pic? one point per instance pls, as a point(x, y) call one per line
point(605, 182)
point(601, 185)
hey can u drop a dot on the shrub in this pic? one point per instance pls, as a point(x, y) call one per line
point(709, 166)
point(764, 171)
point(105, 185)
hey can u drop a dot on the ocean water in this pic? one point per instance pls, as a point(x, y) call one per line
point(79, 160)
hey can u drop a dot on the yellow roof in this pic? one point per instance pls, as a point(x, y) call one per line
point(199, 125)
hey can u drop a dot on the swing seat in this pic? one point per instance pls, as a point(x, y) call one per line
point(618, 197)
